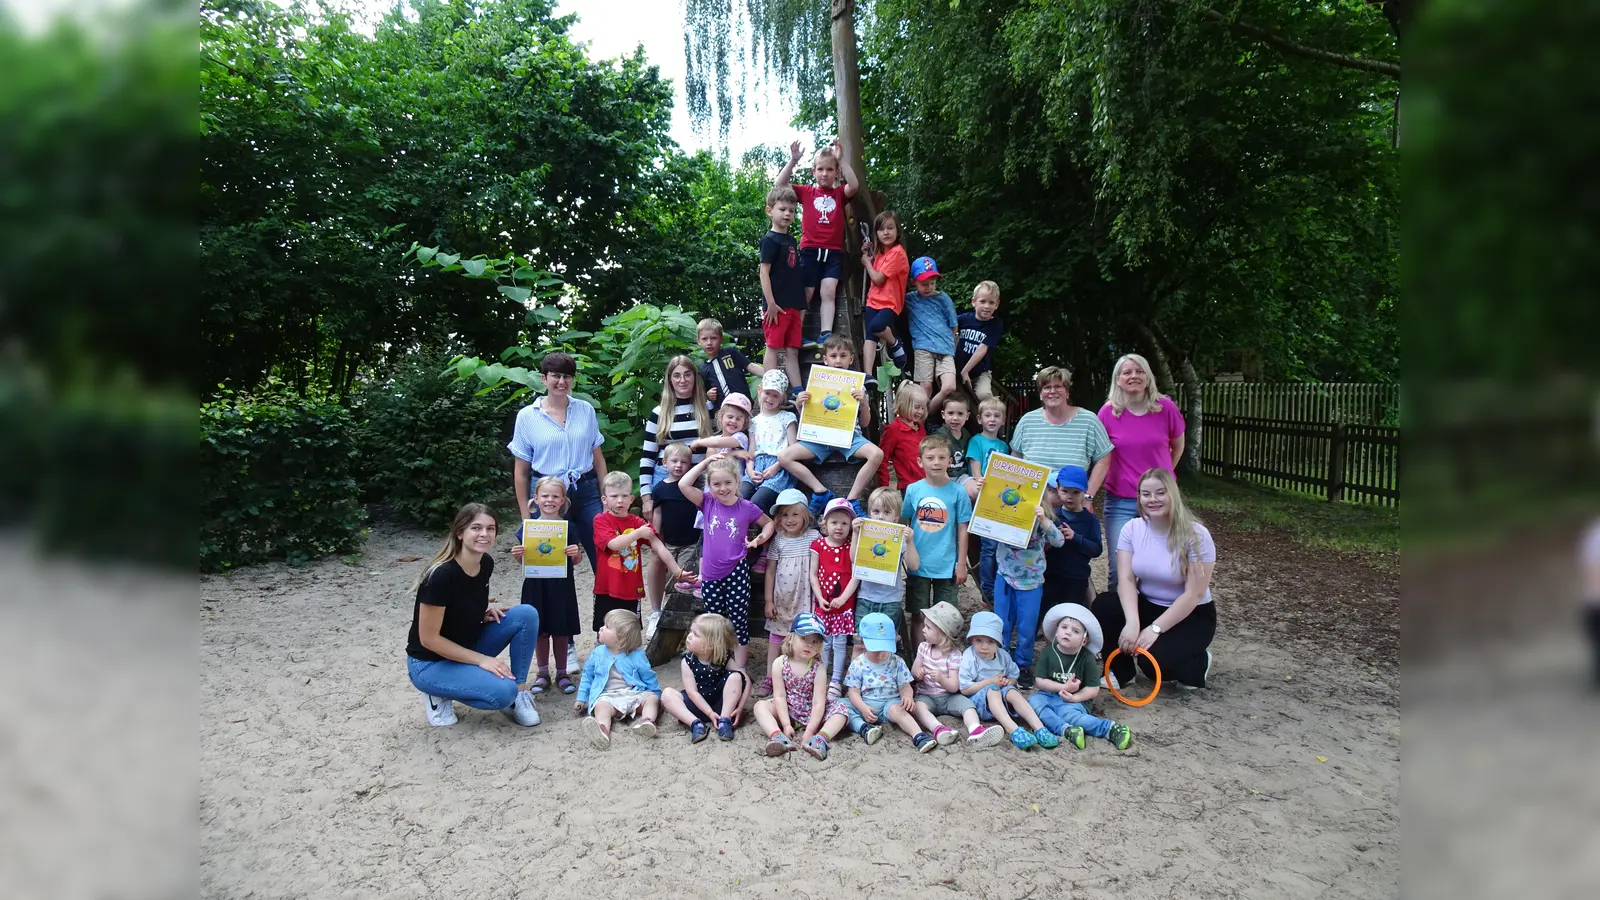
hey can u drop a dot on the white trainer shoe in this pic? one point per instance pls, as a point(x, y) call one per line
point(650, 625)
point(522, 711)
point(573, 666)
point(441, 712)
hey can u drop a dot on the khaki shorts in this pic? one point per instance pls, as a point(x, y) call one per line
point(983, 386)
point(926, 365)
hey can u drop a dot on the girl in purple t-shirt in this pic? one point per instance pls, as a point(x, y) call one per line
point(1146, 432)
point(724, 568)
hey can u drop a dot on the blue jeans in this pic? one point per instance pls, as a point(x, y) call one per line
point(987, 565)
point(473, 686)
point(1119, 512)
point(1019, 613)
point(1058, 715)
point(583, 505)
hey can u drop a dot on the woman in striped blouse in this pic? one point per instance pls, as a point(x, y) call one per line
point(686, 415)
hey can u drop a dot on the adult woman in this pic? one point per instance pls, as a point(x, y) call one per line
point(1163, 598)
point(453, 649)
point(1146, 432)
point(682, 415)
point(558, 434)
point(1060, 434)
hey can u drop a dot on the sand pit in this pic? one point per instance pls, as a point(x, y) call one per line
point(320, 778)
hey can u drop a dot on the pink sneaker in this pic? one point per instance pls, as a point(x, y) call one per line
point(985, 736)
point(945, 735)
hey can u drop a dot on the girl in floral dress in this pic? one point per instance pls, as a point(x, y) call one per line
point(800, 702)
point(788, 572)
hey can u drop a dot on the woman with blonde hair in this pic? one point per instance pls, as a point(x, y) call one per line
point(1146, 432)
point(1163, 598)
point(682, 415)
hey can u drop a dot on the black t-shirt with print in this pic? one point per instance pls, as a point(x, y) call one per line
point(728, 368)
point(783, 255)
point(465, 599)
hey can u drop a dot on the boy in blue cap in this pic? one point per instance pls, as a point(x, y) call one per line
point(1066, 568)
point(933, 332)
point(880, 686)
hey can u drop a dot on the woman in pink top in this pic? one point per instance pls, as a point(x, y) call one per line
point(1146, 432)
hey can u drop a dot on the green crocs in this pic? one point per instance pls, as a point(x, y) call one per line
point(1073, 734)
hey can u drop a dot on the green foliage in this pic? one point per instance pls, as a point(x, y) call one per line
point(427, 445)
point(1373, 531)
point(276, 479)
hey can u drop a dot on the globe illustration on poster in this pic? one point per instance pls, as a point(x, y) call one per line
point(831, 402)
point(879, 549)
point(1011, 496)
point(544, 547)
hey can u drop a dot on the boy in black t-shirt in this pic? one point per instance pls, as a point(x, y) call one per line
point(782, 286)
point(725, 367)
point(676, 520)
point(980, 333)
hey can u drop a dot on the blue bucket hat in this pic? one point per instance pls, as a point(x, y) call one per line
point(985, 624)
point(877, 632)
point(807, 624)
point(1069, 477)
point(787, 497)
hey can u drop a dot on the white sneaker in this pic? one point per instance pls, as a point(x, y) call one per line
point(441, 712)
point(650, 625)
point(573, 666)
point(522, 711)
point(1117, 685)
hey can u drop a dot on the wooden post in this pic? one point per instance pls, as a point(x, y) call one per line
point(847, 102)
point(1228, 433)
point(1336, 443)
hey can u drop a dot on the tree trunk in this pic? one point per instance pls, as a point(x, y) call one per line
point(847, 99)
point(1165, 351)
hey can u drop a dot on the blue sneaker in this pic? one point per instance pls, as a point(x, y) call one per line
point(1022, 739)
point(898, 354)
point(725, 728)
point(819, 502)
point(698, 732)
point(1047, 739)
point(861, 512)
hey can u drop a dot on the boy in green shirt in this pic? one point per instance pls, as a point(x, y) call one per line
point(1068, 679)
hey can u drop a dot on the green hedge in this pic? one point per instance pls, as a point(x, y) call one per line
point(277, 480)
point(427, 444)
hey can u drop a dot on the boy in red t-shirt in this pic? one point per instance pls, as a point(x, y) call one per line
point(618, 574)
point(822, 219)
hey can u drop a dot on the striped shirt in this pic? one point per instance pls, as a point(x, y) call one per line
point(551, 449)
point(1080, 441)
point(683, 428)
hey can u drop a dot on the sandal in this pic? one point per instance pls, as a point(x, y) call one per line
point(542, 683)
point(817, 747)
point(564, 684)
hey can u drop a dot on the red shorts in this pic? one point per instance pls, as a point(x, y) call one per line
point(784, 333)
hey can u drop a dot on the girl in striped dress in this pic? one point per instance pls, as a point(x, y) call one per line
point(683, 415)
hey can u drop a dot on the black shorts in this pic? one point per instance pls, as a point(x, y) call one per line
point(818, 264)
point(879, 319)
point(604, 603)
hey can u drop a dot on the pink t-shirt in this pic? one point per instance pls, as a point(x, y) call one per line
point(946, 665)
point(1140, 443)
point(1153, 565)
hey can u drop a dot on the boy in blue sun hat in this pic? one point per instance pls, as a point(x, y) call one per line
point(988, 676)
point(933, 332)
point(880, 686)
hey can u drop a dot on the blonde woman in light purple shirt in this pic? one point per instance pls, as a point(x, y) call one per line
point(1163, 593)
point(1146, 432)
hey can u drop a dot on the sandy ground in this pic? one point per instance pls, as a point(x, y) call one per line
point(319, 776)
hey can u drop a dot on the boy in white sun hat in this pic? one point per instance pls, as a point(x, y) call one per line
point(1068, 678)
point(771, 430)
point(989, 676)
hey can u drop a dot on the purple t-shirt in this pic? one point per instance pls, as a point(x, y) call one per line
point(1153, 565)
point(1141, 443)
point(725, 529)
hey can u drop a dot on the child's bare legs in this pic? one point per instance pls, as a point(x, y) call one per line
point(906, 721)
point(1025, 710)
point(650, 709)
point(970, 719)
point(947, 386)
point(925, 717)
point(997, 708)
point(835, 724)
point(791, 367)
point(869, 355)
point(541, 652)
point(676, 702)
point(741, 661)
point(794, 457)
point(825, 309)
point(733, 700)
point(766, 719)
point(603, 713)
point(655, 581)
point(873, 455)
point(559, 644)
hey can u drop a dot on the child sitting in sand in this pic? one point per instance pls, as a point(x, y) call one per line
point(1069, 678)
point(988, 675)
point(880, 687)
point(800, 695)
point(618, 682)
point(712, 693)
point(938, 674)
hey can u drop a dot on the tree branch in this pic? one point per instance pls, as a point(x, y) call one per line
point(1378, 66)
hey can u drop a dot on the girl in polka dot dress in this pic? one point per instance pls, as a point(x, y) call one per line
point(833, 586)
point(800, 695)
point(726, 521)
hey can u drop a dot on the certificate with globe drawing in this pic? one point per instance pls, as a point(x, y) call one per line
point(544, 548)
point(877, 556)
point(1012, 489)
point(829, 417)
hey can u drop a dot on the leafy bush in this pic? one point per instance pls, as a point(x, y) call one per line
point(276, 479)
point(427, 444)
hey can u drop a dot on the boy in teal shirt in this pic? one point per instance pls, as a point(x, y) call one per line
point(937, 509)
point(991, 418)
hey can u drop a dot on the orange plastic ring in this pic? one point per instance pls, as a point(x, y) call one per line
point(1154, 689)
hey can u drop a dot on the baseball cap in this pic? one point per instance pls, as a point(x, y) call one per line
point(1069, 477)
point(787, 497)
point(923, 267)
point(738, 401)
point(775, 380)
point(984, 624)
point(807, 624)
point(837, 504)
point(877, 632)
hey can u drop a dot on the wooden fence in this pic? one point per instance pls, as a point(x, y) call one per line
point(1348, 403)
point(1356, 463)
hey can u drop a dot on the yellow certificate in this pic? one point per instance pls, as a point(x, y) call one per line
point(877, 556)
point(544, 548)
point(1012, 489)
point(830, 415)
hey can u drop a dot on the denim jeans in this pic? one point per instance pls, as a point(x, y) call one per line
point(583, 505)
point(987, 565)
point(1058, 715)
point(1019, 613)
point(519, 630)
point(1119, 512)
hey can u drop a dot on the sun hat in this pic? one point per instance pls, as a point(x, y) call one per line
point(877, 632)
point(775, 380)
point(944, 617)
point(787, 497)
point(1069, 477)
point(985, 624)
point(738, 401)
point(1078, 611)
point(837, 504)
point(923, 267)
point(807, 624)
